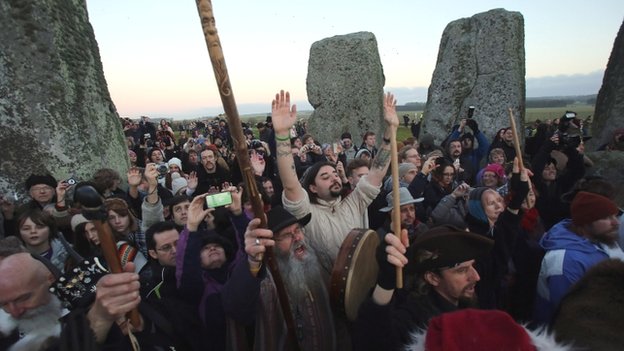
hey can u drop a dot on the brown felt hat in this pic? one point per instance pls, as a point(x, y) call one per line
point(446, 246)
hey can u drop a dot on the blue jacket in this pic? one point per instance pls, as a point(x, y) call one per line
point(568, 257)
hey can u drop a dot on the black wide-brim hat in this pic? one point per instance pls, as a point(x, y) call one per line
point(448, 246)
point(278, 218)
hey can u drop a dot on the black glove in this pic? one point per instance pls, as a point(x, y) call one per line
point(519, 191)
point(386, 278)
point(473, 125)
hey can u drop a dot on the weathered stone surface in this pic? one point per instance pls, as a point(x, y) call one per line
point(609, 113)
point(345, 86)
point(610, 165)
point(56, 114)
point(480, 63)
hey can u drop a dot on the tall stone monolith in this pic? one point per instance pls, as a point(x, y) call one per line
point(480, 63)
point(609, 113)
point(56, 114)
point(345, 86)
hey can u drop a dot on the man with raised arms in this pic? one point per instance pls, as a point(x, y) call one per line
point(333, 216)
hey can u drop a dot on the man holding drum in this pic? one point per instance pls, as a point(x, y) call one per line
point(333, 216)
point(440, 278)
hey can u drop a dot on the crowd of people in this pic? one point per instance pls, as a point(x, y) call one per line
point(484, 224)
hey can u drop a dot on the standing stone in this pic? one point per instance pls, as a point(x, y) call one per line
point(56, 114)
point(480, 63)
point(345, 87)
point(609, 113)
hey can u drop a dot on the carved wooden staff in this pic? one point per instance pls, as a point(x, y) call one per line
point(93, 209)
point(396, 201)
point(204, 7)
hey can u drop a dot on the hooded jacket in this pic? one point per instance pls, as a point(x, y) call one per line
point(568, 256)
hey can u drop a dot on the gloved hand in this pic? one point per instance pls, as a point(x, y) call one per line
point(386, 278)
point(473, 125)
point(519, 191)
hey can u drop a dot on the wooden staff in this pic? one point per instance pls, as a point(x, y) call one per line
point(396, 201)
point(516, 139)
point(93, 209)
point(204, 7)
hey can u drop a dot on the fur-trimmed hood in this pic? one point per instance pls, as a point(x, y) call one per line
point(471, 329)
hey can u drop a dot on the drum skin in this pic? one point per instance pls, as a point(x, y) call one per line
point(354, 272)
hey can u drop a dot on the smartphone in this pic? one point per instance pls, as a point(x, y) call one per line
point(471, 111)
point(335, 147)
point(219, 199)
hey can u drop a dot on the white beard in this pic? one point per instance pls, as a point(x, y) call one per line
point(542, 340)
point(37, 325)
point(299, 276)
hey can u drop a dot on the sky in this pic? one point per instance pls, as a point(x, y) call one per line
point(156, 62)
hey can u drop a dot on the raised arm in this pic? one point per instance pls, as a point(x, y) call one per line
point(284, 118)
point(380, 163)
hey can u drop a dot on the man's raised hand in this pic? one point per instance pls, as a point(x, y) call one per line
point(283, 115)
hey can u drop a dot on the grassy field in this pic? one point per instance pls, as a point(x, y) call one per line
point(532, 114)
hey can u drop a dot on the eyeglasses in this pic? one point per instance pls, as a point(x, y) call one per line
point(168, 247)
point(290, 235)
point(41, 188)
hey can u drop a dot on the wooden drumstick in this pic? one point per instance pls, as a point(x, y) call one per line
point(396, 201)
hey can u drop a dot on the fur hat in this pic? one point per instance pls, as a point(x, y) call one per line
point(35, 179)
point(591, 311)
point(589, 207)
point(472, 329)
point(449, 246)
point(177, 183)
point(175, 161)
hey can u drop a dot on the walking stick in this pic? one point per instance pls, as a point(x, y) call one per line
point(93, 209)
point(204, 7)
point(396, 201)
point(516, 139)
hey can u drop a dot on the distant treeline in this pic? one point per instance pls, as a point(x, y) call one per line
point(537, 102)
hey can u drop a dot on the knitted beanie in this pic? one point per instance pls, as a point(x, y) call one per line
point(589, 207)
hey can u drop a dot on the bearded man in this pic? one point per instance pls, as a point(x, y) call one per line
point(250, 294)
point(573, 246)
point(30, 314)
point(440, 278)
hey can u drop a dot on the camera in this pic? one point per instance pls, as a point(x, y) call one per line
point(471, 111)
point(219, 199)
point(147, 136)
point(71, 181)
point(162, 169)
point(568, 130)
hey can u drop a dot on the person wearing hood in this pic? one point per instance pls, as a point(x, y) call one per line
point(205, 261)
point(573, 246)
point(489, 216)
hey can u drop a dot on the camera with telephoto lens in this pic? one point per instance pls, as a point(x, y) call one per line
point(569, 131)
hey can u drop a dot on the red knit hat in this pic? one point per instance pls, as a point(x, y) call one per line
point(588, 207)
point(482, 330)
